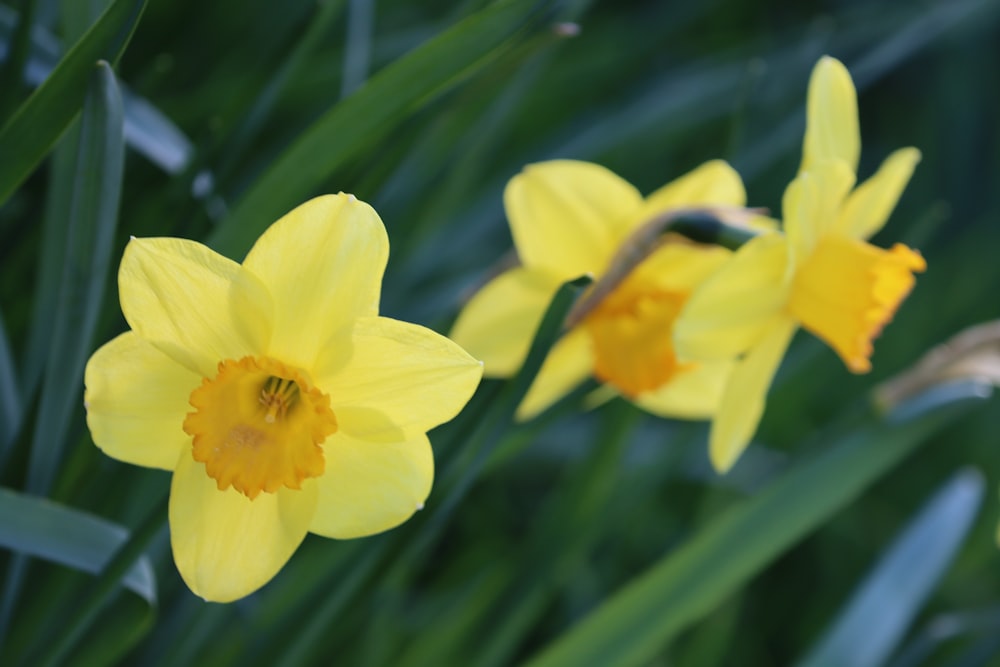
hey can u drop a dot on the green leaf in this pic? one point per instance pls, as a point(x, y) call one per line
point(633, 625)
point(883, 606)
point(11, 400)
point(357, 122)
point(31, 132)
point(90, 236)
point(43, 529)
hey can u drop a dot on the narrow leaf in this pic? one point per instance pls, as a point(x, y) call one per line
point(11, 399)
point(90, 233)
point(27, 137)
point(353, 125)
point(883, 606)
point(38, 527)
point(632, 626)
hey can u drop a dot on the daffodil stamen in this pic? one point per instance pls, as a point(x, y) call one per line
point(258, 426)
point(278, 395)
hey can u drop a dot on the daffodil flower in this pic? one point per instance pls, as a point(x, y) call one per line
point(273, 390)
point(569, 219)
point(820, 274)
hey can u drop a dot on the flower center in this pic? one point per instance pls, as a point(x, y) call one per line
point(847, 290)
point(258, 426)
point(630, 331)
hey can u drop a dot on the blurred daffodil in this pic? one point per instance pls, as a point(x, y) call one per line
point(569, 219)
point(275, 393)
point(820, 274)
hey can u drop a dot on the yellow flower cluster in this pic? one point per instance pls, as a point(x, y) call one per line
point(696, 331)
point(284, 404)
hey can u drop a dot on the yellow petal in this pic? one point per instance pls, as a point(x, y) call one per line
point(225, 545)
point(831, 117)
point(369, 487)
point(729, 312)
point(567, 216)
point(811, 203)
point(498, 323)
point(692, 394)
point(681, 267)
point(847, 290)
point(867, 208)
point(714, 182)
point(192, 303)
point(745, 395)
point(323, 263)
point(399, 380)
point(569, 363)
point(137, 399)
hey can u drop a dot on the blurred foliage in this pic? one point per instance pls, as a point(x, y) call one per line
point(567, 510)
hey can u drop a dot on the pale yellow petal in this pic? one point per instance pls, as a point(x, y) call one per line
point(567, 216)
point(729, 312)
point(225, 545)
point(499, 322)
point(691, 394)
point(369, 487)
point(831, 117)
point(323, 262)
point(745, 395)
point(569, 363)
point(811, 204)
point(136, 399)
point(867, 208)
point(714, 182)
point(192, 303)
point(399, 380)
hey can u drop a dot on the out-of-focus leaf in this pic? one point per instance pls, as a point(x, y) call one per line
point(90, 234)
point(634, 624)
point(43, 529)
point(883, 606)
point(147, 130)
point(29, 134)
point(93, 215)
point(11, 399)
point(360, 120)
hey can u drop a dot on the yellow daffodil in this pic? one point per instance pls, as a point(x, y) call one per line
point(569, 219)
point(273, 390)
point(820, 274)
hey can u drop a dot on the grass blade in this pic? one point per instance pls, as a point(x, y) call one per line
point(366, 116)
point(30, 133)
point(94, 216)
point(38, 527)
point(11, 399)
point(883, 606)
point(633, 625)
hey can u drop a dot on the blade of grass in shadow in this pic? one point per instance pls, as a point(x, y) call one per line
point(93, 601)
point(358, 50)
point(459, 476)
point(90, 233)
point(883, 606)
point(357, 122)
point(29, 134)
point(945, 628)
point(90, 230)
point(11, 398)
point(630, 627)
point(12, 69)
point(234, 150)
point(43, 529)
